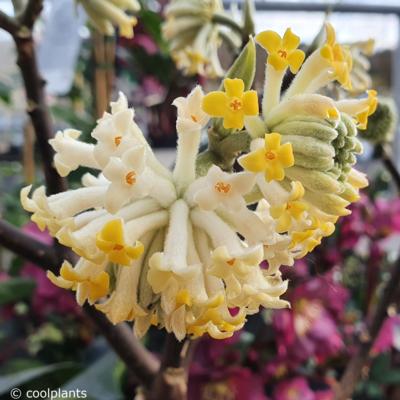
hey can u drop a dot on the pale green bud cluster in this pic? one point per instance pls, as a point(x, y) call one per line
point(382, 124)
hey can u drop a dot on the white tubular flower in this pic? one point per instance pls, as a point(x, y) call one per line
point(249, 224)
point(117, 132)
point(224, 189)
point(191, 119)
point(70, 153)
point(234, 268)
point(113, 136)
point(127, 178)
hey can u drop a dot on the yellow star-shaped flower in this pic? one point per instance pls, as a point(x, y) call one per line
point(339, 57)
point(111, 241)
point(232, 105)
point(94, 286)
point(292, 209)
point(271, 159)
point(282, 52)
point(372, 103)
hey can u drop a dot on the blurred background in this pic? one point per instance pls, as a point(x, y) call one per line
point(45, 339)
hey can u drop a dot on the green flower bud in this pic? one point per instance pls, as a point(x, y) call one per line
point(329, 203)
point(318, 163)
point(317, 130)
point(382, 123)
point(309, 146)
point(315, 180)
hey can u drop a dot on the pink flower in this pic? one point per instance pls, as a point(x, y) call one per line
point(388, 335)
point(293, 389)
point(309, 329)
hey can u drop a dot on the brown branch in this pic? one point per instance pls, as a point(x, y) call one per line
point(31, 13)
point(362, 357)
point(26, 246)
point(8, 23)
point(37, 110)
point(138, 360)
point(171, 380)
point(389, 165)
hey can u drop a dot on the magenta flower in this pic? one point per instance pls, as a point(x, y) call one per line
point(293, 389)
point(310, 329)
point(388, 335)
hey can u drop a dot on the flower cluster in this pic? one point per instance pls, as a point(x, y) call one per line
point(194, 37)
point(104, 15)
point(184, 252)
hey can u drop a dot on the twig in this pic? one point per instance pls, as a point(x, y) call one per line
point(26, 246)
point(138, 360)
point(362, 357)
point(171, 380)
point(31, 13)
point(389, 165)
point(8, 23)
point(37, 109)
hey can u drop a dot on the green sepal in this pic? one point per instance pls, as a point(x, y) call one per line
point(205, 161)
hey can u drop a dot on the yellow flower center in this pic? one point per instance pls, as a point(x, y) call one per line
point(235, 104)
point(282, 53)
point(231, 261)
point(222, 187)
point(117, 140)
point(118, 247)
point(130, 178)
point(270, 155)
point(194, 118)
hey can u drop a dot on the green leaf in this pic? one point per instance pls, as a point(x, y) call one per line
point(7, 382)
point(16, 289)
point(98, 380)
point(248, 18)
point(244, 66)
